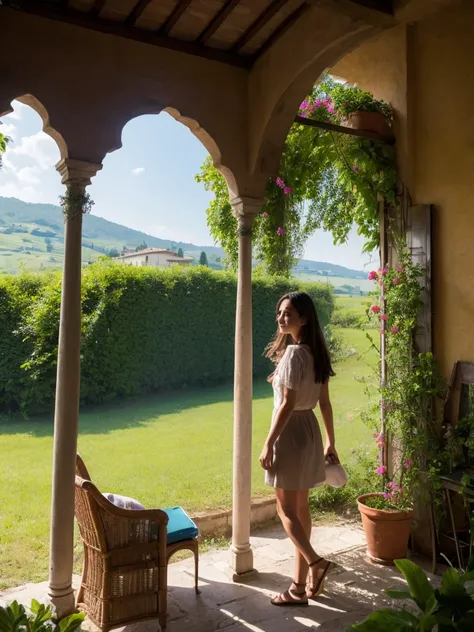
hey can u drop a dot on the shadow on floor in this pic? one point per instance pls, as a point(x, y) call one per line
point(354, 588)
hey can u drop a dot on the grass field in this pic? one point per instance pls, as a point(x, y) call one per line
point(163, 450)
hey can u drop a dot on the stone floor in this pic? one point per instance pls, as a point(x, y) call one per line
point(354, 588)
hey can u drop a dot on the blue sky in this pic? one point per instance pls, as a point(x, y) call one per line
point(148, 184)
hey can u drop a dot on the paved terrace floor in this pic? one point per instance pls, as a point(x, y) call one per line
point(353, 589)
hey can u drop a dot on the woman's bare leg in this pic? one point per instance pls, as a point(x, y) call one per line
point(295, 527)
point(304, 515)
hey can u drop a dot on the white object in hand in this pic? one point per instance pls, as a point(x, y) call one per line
point(336, 475)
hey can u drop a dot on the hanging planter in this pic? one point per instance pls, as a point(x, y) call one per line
point(387, 530)
point(360, 110)
point(369, 122)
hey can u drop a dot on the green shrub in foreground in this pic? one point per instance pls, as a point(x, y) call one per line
point(143, 330)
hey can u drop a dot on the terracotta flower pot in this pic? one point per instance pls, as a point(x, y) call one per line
point(387, 531)
point(369, 122)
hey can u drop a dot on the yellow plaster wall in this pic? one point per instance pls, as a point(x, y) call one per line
point(427, 72)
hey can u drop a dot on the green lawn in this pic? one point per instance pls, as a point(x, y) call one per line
point(163, 450)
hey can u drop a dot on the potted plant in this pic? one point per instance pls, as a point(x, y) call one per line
point(361, 110)
point(410, 470)
point(449, 608)
point(387, 519)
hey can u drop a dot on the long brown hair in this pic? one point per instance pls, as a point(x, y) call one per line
point(311, 335)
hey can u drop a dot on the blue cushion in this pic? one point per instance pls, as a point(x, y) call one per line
point(180, 526)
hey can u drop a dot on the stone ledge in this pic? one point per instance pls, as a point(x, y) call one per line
point(220, 523)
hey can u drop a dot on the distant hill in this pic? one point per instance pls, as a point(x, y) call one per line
point(32, 235)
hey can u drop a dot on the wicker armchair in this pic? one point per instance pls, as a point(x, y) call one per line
point(124, 577)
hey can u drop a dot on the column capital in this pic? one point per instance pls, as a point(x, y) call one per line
point(77, 173)
point(246, 206)
point(245, 209)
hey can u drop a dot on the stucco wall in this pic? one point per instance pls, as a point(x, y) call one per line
point(426, 71)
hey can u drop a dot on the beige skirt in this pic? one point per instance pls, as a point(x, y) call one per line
point(298, 454)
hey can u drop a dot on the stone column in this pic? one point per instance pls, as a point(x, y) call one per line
point(76, 175)
point(245, 209)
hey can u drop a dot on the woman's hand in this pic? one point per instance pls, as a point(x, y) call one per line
point(266, 457)
point(330, 455)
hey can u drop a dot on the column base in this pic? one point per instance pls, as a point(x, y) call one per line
point(241, 560)
point(62, 600)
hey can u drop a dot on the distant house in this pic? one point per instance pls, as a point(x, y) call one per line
point(155, 257)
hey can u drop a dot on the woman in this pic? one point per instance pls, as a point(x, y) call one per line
point(293, 454)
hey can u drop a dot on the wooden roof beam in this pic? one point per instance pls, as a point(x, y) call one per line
point(136, 12)
point(174, 16)
point(48, 11)
point(97, 7)
point(374, 12)
point(217, 21)
point(282, 29)
point(258, 24)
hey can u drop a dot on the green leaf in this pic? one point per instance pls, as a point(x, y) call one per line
point(421, 590)
point(427, 623)
point(71, 623)
point(388, 621)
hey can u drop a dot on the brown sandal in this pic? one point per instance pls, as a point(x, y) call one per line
point(291, 597)
point(315, 585)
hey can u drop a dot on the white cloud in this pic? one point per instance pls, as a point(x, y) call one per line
point(11, 131)
point(138, 170)
point(27, 165)
point(38, 148)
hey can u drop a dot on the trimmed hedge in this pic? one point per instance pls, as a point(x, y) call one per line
point(143, 330)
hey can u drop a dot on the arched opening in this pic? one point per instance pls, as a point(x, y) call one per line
point(31, 239)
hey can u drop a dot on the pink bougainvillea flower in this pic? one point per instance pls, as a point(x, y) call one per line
point(304, 104)
point(375, 309)
point(399, 268)
point(287, 190)
point(279, 182)
point(407, 464)
point(381, 283)
point(372, 275)
point(381, 470)
point(264, 214)
point(383, 317)
point(280, 231)
point(396, 281)
point(384, 271)
point(382, 331)
point(394, 329)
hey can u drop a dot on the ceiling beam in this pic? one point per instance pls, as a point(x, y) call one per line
point(217, 21)
point(136, 12)
point(97, 7)
point(174, 16)
point(258, 24)
point(282, 29)
point(81, 19)
point(384, 6)
point(374, 12)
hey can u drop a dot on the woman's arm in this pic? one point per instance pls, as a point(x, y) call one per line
point(328, 420)
point(282, 417)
